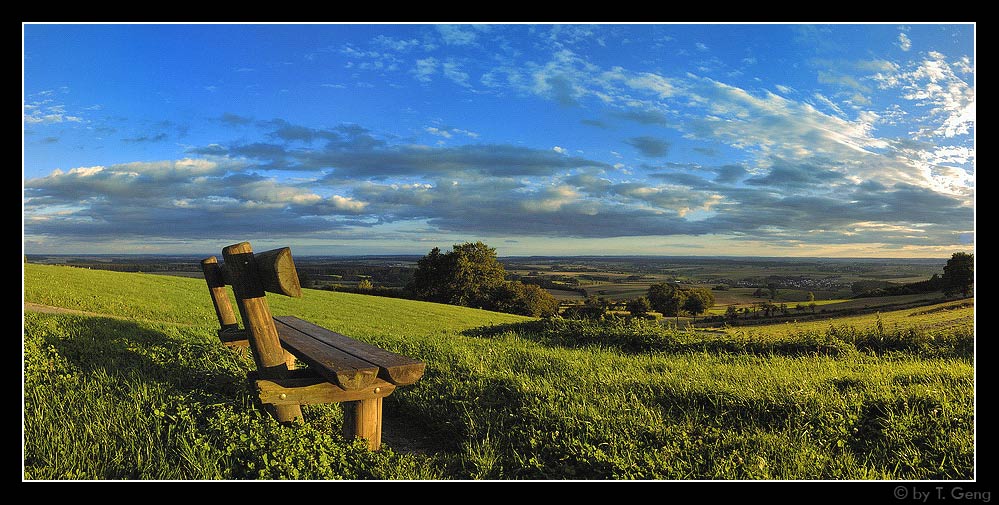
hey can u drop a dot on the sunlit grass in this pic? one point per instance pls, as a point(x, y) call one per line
point(151, 394)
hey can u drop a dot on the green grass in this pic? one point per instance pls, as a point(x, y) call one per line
point(942, 317)
point(147, 392)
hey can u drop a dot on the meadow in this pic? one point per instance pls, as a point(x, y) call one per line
point(138, 387)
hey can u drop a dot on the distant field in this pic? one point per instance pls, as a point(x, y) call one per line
point(938, 317)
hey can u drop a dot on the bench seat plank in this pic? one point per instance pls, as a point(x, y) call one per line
point(394, 368)
point(342, 368)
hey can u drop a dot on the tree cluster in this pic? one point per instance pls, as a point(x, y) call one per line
point(958, 277)
point(471, 275)
point(671, 299)
point(959, 274)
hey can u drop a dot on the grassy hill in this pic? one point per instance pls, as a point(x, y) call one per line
point(138, 387)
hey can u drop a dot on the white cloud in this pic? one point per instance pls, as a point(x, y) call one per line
point(81, 171)
point(425, 68)
point(452, 70)
point(449, 132)
point(437, 131)
point(456, 35)
point(559, 150)
point(43, 112)
point(347, 203)
point(662, 86)
point(395, 44)
point(933, 83)
point(903, 42)
point(551, 200)
point(829, 103)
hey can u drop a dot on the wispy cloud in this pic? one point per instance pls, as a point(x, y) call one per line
point(158, 137)
point(425, 69)
point(456, 35)
point(933, 83)
point(903, 42)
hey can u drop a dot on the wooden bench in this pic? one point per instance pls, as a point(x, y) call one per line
point(340, 369)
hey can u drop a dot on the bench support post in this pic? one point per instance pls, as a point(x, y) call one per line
point(252, 302)
point(363, 419)
point(220, 297)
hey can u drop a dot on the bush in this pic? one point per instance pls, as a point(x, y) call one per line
point(524, 299)
point(639, 306)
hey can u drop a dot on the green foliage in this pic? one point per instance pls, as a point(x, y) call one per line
point(150, 394)
point(698, 300)
point(959, 274)
point(667, 299)
point(639, 306)
point(471, 275)
point(514, 297)
point(670, 300)
point(365, 285)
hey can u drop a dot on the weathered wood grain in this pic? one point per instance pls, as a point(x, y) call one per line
point(363, 419)
point(277, 272)
point(306, 391)
point(219, 294)
point(340, 367)
point(257, 318)
point(395, 368)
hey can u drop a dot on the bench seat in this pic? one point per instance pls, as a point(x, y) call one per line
point(349, 363)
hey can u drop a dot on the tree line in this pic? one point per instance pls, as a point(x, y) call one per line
point(958, 278)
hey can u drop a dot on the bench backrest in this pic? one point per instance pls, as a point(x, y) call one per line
point(250, 275)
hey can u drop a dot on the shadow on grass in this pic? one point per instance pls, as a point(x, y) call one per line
point(187, 361)
point(120, 347)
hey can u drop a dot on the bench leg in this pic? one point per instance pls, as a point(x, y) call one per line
point(286, 413)
point(363, 419)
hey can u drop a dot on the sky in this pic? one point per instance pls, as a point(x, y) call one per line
point(832, 140)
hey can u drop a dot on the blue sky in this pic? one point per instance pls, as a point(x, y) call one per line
point(841, 140)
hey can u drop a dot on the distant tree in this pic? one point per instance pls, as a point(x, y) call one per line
point(658, 296)
point(706, 300)
point(638, 306)
point(431, 279)
point(772, 289)
point(666, 299)
point(365, 285)
point(935, 282)
point(731, 312)
point(758, 293)
point(811, 296)
point(467, 275)
point(694, 305)
point(597, 301)
point(959, 274)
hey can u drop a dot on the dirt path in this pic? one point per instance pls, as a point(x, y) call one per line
point(48, 309)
